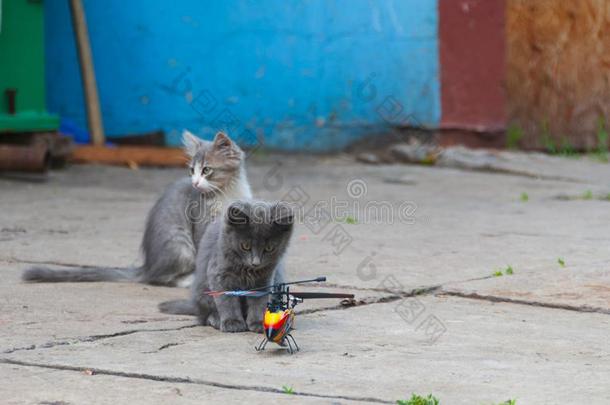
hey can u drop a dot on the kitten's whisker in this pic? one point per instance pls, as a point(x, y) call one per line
point(218, 192)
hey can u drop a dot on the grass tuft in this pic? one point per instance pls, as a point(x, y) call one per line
point(347, 219)
point(601, 152)
point(587, 195)
point(419, 400)
point(509, 271)
point(514, 134)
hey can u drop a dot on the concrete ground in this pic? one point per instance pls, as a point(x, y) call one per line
point(431, 317)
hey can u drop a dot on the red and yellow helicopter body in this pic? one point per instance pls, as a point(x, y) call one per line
point(277, 324)
point(278, 320)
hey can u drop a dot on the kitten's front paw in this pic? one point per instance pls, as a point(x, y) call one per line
point(212, 321)
point(256, 326)
point(233, 325)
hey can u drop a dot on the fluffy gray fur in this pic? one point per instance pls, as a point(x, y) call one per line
point(243, 250)
point(177, 221)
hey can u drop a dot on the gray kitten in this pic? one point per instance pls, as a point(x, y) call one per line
point(177, 221)
point(243, 250)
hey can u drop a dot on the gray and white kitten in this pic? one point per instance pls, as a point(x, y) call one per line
point(242, 250)
point(177, 221)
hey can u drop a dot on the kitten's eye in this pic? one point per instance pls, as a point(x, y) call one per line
point(269, 248)
point(192, 170)
point(245, 246)
point(206, 170)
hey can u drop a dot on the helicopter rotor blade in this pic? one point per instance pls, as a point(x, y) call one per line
point(260, 291)
point(313, 280)
point(239, 293)
point(268, 287)
point(308, 295)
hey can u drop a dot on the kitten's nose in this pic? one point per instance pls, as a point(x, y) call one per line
point(256, 261)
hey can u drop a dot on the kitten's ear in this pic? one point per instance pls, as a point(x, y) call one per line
point(283, 216)
point(237, 214)
point(222, 142)
point(191, 143)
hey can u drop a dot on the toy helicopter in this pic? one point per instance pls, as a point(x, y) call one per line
point(278, 320)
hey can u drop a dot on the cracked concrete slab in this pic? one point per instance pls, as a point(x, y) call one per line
point(581, 287)
point(63, 313)
point(35, 315)
point(35, 385)
point(464, 227)
point(488, 353)
point(459, 216)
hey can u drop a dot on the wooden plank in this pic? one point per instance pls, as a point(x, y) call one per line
point(130, 156)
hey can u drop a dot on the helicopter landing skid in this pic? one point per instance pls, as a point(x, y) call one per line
point(292, 347)
point(261, 345)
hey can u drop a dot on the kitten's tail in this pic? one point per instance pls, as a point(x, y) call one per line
point(178, 307)
point(83, 274)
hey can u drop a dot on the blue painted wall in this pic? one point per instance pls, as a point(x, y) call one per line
point(299, 75)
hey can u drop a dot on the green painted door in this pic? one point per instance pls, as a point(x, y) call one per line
point(22, 69)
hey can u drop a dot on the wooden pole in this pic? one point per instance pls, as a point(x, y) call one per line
point(92, 102)
point(130, 156)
